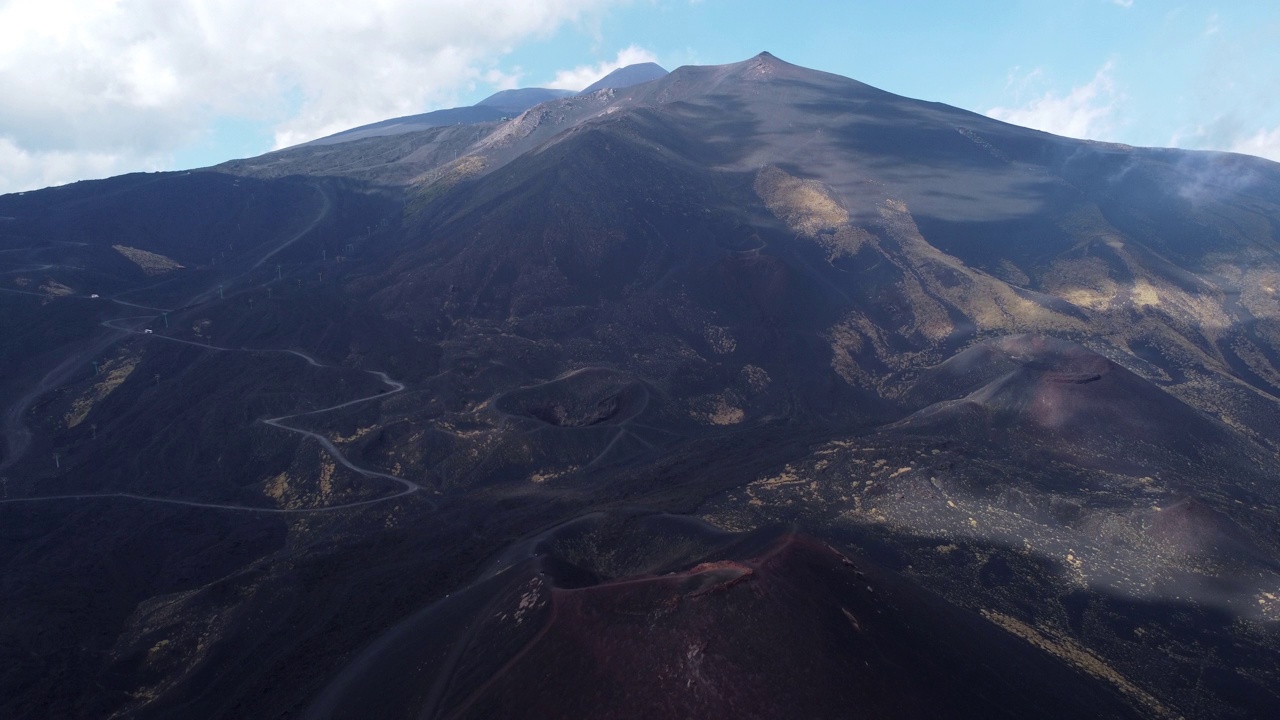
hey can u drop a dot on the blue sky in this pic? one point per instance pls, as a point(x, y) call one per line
point(99, 88)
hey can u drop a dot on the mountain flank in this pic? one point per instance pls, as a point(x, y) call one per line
point(826, 396)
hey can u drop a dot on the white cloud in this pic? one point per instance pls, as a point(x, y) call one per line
point(1087, 111)
point(133, 80)
point(21, 169)
point(1264, 143)
point(583, 75)
point(1228, 132)
point(1018, 82)
point(502, 80)
point(1123, 3)
point(1213, 25)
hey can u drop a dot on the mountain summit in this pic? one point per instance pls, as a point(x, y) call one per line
point(749, 386)
point(496, 107)
point(627, 76)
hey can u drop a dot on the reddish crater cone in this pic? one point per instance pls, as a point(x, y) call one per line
point(762, 625)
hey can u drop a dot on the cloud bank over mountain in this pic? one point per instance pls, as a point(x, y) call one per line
point(93, 88)
point(96, 88)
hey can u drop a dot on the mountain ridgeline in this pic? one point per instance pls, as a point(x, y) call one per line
point(738, 391)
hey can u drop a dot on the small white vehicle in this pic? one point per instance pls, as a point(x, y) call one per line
point(147, 331)
point(93, 296)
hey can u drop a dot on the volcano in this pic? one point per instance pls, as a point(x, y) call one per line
point(742, 390)
point(702, 622)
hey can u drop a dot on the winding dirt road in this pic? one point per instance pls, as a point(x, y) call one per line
point(19, 437)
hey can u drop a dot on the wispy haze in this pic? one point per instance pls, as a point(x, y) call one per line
point(94, 88)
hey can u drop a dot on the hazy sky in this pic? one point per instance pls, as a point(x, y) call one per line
point(92, 88)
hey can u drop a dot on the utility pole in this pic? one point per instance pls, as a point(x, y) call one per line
point(94, 429)
point(56, 463)
point(166, 320)
point(96, 370)
point(324, 255)
point(220, 292)
point(278, 276)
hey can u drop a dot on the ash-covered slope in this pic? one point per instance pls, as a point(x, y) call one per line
point(627, 76)
point(779, 228)
point(1077, 402)
point(472, 115)
point(496, 107)
point(521, 99)
point(950, 225)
